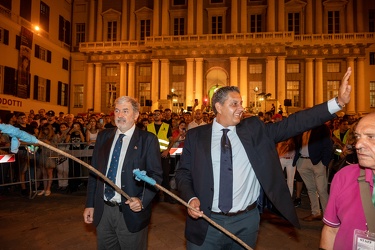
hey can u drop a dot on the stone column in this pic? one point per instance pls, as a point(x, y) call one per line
point(234, 15)
point(164, 79)
point(165, 18)
point(124, 20)
point(271, 16)
point(318, 17)
point(281, 18)
point(131, 79)
point(189, 82)
point(199, 18)
point(360, 19)
point(155, 83)
point(156, 18)
point(90, 86)
point(132, 24)
point(243, 81)
point(281, 85)
point(123, 78)
point(190, 18)
point(271, 76)
point(243, 16)
point(91, 32)
point(234, 71)
point(350, 107)
point(309, 17)
point(199, 79)
point(363, 102)
point(349, 17)
point(319, 94)
point(98, 88)
point(309, 83)
point(99, 22)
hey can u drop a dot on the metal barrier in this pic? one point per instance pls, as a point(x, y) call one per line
point(26, 170)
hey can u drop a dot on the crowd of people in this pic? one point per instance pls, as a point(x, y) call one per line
point(67, 131)
point(299, 150)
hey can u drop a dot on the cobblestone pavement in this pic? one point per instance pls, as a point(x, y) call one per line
point(56, 222)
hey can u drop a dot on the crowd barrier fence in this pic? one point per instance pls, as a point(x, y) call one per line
point(30, 159)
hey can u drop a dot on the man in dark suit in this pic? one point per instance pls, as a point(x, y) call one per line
point(313, 154)
point(121, 223)
point(255, 163)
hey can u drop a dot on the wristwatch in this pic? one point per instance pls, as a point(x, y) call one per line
point(338, 104)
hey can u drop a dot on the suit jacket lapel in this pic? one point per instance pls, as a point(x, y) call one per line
point(206, 150)
point(107, 151)
point(132, 149)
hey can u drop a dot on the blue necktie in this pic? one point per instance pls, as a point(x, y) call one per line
point(112, 171)
point(226, 174)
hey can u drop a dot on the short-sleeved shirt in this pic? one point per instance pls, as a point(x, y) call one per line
point(344, 208)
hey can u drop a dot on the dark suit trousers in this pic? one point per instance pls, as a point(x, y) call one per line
point(245, 226)
point(166, 169)
point(113, 234)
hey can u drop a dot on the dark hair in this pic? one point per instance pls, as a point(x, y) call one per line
point(20, 114)
point(221, 95)
point(64, 123)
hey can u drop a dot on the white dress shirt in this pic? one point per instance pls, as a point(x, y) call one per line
point(246, 186)
point(125, 144)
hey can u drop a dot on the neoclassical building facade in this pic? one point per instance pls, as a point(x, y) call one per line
point(168, 53)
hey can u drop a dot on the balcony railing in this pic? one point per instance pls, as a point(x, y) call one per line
point(112, 46)
point(340, 38)
point(284, 38)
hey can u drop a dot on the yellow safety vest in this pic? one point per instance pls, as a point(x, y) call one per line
point(162, 134)
point(337, 134)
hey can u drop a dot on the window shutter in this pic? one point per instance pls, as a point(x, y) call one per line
point(36, 87)
point(59, 87)
point(49, 56)
point(37, 50)
point(67, 33)
point(48, 91)
point(6, 37)
point(61, 28)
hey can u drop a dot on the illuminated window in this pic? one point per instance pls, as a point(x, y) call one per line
point(144, 93)
point(293, 92)
point(78, 96)
point(111, 94)
point(333, 67)
point(178, 70)
point(62, 94)
point(332, 89)
point(80, 33)
point(255, 69)
point(111, 71)
point(372, 94)
point(292, 68)
point(42, 88)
